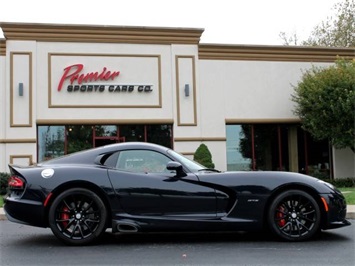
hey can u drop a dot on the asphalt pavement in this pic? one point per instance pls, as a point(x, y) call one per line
point(350, 214)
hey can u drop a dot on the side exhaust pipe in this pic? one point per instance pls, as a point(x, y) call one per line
point(126, 227)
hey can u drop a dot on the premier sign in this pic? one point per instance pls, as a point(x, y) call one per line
point(117, 80)
point(74, 73)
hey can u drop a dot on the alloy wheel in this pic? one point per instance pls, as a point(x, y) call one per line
point(295, 215)
point(77, 216)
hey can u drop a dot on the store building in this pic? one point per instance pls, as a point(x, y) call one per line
point(65, 88)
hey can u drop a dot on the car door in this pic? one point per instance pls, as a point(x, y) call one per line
point(144, 186)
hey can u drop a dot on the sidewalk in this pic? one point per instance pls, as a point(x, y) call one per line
point(349, 215)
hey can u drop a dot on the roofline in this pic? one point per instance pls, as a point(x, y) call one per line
point(165, 35)
point(99, 33)
point(274, 53)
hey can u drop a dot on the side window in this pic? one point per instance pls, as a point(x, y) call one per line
point(111, 160)
point(143, 161)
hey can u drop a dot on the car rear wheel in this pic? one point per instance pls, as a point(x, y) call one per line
point(294, 215)
point(77, 216)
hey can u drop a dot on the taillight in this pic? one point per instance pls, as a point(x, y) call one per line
point(16, 182)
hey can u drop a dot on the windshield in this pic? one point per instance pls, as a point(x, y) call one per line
point(190, 164)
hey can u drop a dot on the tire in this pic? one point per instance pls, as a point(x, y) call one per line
point(294, 215)
point(77, 217)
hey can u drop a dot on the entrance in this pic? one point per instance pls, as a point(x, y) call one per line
point(105, 135)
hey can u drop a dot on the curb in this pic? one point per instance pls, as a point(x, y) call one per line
point(349, 215)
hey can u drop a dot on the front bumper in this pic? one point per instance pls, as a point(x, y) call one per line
point(334, 225)
point(335, 217)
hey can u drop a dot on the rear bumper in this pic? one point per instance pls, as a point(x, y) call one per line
point(25, 212)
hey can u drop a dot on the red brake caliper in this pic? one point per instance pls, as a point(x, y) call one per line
point(65, 215)
point(280, 214)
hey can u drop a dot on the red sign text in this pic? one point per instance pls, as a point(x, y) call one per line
point(73, 73)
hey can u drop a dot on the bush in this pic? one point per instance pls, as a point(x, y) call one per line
point(204, 156)
point(341, 182)
point(3, 182)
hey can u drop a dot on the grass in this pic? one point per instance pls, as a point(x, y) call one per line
point(348, 192)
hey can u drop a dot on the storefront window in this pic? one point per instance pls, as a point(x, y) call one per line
point(79, 138)
point(51, 142)
point(270, 147)
point(160, 134)
point(55, 141)
point(132, 133)
point(105, 135)
point(266, 147)
point(238, 158)
point(314, 156)
point(257, 147)
point(105, 131)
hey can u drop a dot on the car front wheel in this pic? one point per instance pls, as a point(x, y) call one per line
point(294, 215)
point(77, 216)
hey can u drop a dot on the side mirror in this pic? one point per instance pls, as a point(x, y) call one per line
point(176, 166)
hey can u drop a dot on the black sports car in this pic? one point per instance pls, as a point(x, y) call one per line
point(142, 187)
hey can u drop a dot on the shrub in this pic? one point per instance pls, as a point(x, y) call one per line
point(341, 182)
point(3, 182)
point(344, 182)
point(204, 156)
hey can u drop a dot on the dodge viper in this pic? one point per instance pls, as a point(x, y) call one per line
point(142, 187)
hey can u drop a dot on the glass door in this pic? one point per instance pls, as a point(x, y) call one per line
point(105, 135)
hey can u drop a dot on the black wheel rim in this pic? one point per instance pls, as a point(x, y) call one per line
point(77, 216)
point(296, 216)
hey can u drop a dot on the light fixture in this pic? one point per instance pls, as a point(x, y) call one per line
point(187, 90)
point(20, 89)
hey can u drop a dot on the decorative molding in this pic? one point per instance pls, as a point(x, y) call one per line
point(262, 121)
point(17, 141)
point(102, 121)
point(198, 139)
point(100, 34)
point(12, 89)
point(178, 100)
point(273, 53)
point(29, 157)
point(2, 47)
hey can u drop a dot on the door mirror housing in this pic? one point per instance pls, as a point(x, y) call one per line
point(176, 166)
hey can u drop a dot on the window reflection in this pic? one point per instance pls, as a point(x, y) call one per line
point(105, 131)
point(51, 142)
point(79, 138)
point(132, 132)
point(237, 160)
point(266, 147)
point(315, 156)
point(55, 141)
point(271, 147)
point(160, 134)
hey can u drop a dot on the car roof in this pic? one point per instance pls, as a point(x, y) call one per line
point(89, 156)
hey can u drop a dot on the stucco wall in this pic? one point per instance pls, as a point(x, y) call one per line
point(344, 163)
point(248, 89)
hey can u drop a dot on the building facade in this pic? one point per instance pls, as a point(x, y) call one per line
point(64, 88)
